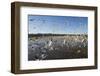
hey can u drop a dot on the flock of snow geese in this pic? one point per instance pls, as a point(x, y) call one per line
point(37, 48)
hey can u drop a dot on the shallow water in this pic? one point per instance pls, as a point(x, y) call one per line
point(73, 47)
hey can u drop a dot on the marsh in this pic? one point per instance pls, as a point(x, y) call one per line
point(57, 47)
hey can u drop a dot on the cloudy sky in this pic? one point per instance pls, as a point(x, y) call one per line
point(57, 24)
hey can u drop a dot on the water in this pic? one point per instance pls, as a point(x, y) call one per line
point(58, 47)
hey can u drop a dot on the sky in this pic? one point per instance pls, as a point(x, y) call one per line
point(57, 24)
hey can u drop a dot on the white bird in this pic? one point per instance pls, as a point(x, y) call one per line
point(64, 41)
point(49, 43)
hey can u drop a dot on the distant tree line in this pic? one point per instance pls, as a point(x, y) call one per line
point(50, 34)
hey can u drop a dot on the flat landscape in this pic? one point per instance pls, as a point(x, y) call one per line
point(51, 47)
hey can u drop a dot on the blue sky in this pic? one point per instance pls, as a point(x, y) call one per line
point(57, 24)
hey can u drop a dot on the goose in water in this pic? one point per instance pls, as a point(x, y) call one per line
point(50, 44)
point(64, 42)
